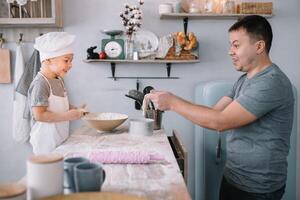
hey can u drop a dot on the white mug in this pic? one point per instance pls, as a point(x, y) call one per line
point(142, 127)
point(45, 174)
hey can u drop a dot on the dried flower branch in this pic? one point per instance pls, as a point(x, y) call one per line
point(132, 17)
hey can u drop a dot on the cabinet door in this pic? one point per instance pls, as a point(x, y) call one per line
point(208, 165)
point(35, 13)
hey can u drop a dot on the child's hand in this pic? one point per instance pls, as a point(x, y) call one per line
point(74, 114)
point(83, 108)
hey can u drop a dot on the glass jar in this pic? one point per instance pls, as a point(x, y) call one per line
point(194, 7)
point(129, 47)
point(228, 7)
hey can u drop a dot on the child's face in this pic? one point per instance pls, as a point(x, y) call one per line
point(61, 65)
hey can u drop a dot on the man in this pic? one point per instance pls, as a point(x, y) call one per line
point(258, 110)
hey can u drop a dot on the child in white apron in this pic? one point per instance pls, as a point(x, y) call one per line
point(47, 96)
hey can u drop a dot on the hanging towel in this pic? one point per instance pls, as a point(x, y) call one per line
point(21, 125)
point(31, 69)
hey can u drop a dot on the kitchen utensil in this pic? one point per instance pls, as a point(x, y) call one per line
point(69, 164)
point(88, 177)
point(95, 195)
point(142, 127)
point(156, 115)
point(137, 95)
point(136, 104)
point(137, 100)
point(105, 121)
point(5, 68)
point(113, 47)
point(147, 90)
point(44, 175)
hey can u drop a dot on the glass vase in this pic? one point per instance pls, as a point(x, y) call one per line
point(129, 47)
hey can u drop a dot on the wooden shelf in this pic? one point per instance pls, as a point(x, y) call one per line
point(167, 62)
point(186, 16)
point(204, 16)
point(53, 20)
point(142, 61)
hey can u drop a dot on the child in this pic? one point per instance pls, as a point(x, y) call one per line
point(47, 98)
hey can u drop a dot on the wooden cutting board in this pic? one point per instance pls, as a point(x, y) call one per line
point(5, 69)
point(95, 196)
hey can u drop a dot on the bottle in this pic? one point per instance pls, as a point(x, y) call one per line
point(237, 6)
point(194, 7)
point(208, 6)
point(228, 7)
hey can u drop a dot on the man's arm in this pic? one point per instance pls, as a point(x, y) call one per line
point(233, 116)
point(222, 103)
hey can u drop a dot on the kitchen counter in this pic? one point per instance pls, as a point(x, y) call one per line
point(160, 180)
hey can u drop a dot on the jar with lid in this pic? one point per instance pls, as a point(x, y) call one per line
point(12, 191)
point(228, 7)
point(196, 6)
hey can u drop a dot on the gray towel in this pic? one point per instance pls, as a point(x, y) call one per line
point(32, 67)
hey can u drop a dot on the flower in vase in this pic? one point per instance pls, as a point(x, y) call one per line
point(132, 17)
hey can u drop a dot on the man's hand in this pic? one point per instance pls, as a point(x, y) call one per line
point(162, 100)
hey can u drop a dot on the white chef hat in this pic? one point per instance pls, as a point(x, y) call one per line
point(54, 44)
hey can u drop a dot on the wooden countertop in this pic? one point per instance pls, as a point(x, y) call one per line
point(161, 180)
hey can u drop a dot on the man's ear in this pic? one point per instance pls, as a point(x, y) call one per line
point(260, 46)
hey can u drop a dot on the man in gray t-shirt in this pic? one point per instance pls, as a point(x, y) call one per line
point(258, 111)
point(256, 153)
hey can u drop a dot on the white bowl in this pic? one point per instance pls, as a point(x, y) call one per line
point(105, 121)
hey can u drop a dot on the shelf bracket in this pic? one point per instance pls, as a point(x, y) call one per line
point(169, 65)
point(185, 24)
point(113, 70)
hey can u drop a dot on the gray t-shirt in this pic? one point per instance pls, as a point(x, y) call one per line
point(257, 152)
point(39, 92)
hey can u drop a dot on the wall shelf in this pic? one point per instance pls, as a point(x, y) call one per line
point(168, 64)
point(205, 16)
point(186, 16)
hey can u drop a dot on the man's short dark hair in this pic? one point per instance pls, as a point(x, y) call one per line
point(257, 27)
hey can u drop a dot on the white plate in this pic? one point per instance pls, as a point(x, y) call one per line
point(146, 42)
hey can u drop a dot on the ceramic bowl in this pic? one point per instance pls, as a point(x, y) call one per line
point(105, 121)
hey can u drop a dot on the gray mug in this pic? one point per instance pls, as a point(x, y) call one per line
point(69, 164)
point(88, 177)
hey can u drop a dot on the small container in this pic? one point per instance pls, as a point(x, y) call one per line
point(176, 6)
point(194, 7)
point(45, 175)
point(135, 55)
point(141, 127)
point(156, 115)
point(229, 7)
point(165, 8)
point(13, 191)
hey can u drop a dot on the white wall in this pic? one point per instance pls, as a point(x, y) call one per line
point(87, 83)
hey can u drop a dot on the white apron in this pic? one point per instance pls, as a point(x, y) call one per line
point(44, 136)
